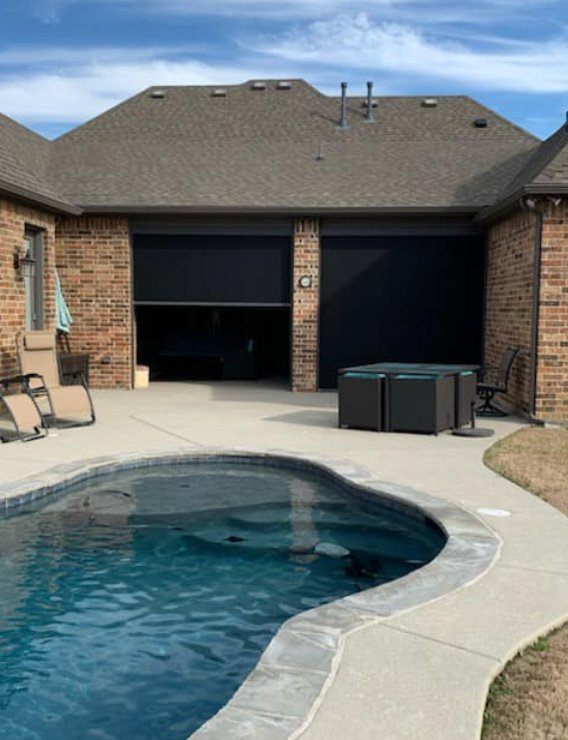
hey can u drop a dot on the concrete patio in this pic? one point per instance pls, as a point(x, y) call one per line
point(420, 674)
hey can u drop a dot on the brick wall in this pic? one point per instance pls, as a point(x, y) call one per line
point(305, 305)
point(509, 305)
point(552, 364)
point(93, 259)
point(14, 218)
point(510, 267)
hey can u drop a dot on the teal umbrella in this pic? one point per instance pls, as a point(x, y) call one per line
point(63, 319)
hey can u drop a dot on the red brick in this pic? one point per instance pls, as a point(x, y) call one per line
point(14, 218)
point(93, 259)
point(305, 305)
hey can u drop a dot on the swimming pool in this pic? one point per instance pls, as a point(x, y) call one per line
point(135, 605)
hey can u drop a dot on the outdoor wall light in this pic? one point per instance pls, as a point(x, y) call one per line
point(24, 264)
point(305, 281)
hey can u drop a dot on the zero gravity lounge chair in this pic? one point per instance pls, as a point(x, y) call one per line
point(22, 410)
point(69, 405)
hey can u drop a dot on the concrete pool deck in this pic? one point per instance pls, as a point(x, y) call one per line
point(423, 673)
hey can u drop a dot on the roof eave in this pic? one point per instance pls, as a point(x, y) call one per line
point(285, 210)
point(511, 201)
point(10, 190)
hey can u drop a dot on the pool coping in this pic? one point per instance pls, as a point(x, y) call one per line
point(283, 693)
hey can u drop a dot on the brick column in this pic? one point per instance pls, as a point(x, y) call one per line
point(508, 307)
point(93, 259)
point(305, 305)
point(552, 355)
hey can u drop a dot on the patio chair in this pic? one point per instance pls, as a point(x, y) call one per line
point(495, 380)
point(22, 410)
point(69, 405)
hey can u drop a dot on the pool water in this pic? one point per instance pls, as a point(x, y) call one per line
point(134, 606)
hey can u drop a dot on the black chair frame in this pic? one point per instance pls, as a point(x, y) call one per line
point(495, 380)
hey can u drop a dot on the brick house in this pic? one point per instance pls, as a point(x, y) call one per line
point(331, 232)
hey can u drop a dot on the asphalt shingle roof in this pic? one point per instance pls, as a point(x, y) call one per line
point(281, 149)
point(23, 164)
point(258, 149)
point(547, 166)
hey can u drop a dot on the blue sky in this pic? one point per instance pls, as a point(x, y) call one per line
point(64, 61)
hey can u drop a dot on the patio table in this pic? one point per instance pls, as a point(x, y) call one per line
point(390, 370)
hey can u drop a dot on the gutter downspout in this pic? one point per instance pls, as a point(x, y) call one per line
point(531, 205)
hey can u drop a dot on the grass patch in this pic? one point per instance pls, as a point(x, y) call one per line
point(529, 699)
point(536, 459)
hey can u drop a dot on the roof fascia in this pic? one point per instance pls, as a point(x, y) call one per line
point(48, 204)
point(512, 201)
point(287, 210)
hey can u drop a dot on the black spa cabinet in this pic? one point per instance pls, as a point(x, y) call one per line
point(422, 403)
point(361, 401)
point(466, 389)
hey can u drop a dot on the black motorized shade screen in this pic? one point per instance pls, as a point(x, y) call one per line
point(400, 299)
point(212, 269)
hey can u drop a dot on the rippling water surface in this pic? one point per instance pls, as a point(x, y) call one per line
point(135, 606)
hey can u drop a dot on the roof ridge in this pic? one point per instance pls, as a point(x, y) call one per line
point(407, 97)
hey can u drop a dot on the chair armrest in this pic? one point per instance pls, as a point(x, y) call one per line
point(29, 376)
point(23, 380)
point(11, 380)
point(34, 376)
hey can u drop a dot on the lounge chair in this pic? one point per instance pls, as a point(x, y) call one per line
point(22, 410)
point(495, 380)
point(69, 405)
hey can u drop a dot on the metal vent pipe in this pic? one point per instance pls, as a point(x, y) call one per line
point(370, 118)
point(343, 119)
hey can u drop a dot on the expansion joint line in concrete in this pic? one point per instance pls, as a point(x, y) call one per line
point(508, 566)
point(463, 649)
point(165, 431)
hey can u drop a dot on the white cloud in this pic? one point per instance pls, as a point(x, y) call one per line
point(356, 42)
point(70, 84)
point(87, 90)
point(46, 56)
point(423, 11)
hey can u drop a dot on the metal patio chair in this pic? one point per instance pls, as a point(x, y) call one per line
point(495, 380)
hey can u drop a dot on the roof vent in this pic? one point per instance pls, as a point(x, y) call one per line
point(258, 85)
point(369, 118)
point(219, 92)
point(480, 123)
point(343, 119)
point(157, 94)
point(283, 85)
point(430, 103)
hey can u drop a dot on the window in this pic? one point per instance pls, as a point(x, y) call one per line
point(33, 247)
